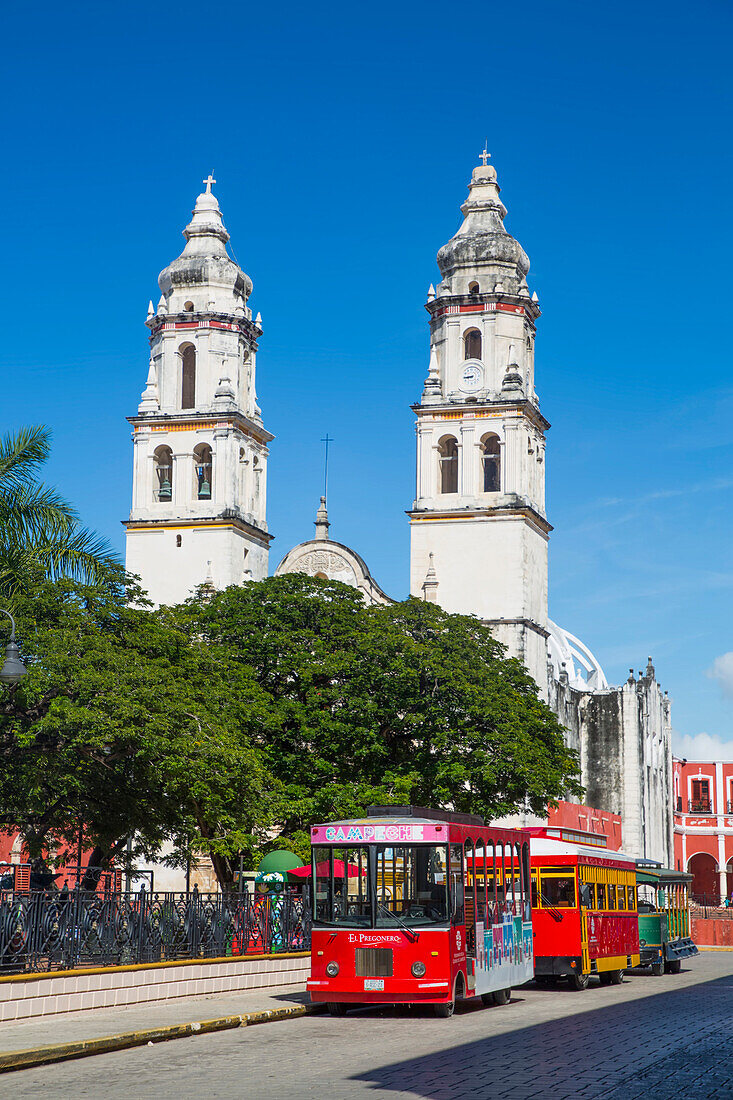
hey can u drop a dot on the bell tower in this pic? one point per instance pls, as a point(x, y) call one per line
point(200, 447)
point(479, 512)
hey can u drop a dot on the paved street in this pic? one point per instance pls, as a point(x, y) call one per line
point(655, 1038)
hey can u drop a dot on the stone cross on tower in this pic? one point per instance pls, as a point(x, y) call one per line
point(210, 179)
point(486, 155)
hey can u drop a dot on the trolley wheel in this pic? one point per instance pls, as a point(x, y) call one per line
point(502, 996)
point(615, 977)
point(657, 968)
point(672, 966)
point(445, 1010)
point(487, 999)
point(579, 981)
point(336, 1008)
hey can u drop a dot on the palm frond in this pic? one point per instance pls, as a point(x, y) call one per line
point(22, 454)
point(80, 554)
point(34, 511)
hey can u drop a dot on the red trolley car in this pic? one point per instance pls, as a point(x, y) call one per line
point(418, 906)
point(583, 908)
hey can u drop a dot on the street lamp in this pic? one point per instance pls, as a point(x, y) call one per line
point(13, 669)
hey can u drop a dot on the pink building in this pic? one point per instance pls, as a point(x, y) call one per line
point(703, 824)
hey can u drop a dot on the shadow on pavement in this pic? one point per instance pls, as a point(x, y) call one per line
point(593, 1054)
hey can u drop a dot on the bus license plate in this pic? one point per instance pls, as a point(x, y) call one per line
point(373, 985)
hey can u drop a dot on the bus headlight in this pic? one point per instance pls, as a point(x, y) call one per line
point(418, 970)
point(332, 969)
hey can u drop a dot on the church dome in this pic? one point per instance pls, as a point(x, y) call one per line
point(482, 249)
point(204, 260)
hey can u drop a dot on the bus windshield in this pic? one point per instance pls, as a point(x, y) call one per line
point(379, 886)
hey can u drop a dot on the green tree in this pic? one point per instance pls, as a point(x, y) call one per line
point(39, 531)
point(132, 728)
point(385, 704)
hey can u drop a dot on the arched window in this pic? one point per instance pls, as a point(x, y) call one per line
point(188, 377)
point(202, 466)
point(163, 486)
point(472, 344)
point(473, 288)
point(491, 459)
point(188, 307)
point(448, 451)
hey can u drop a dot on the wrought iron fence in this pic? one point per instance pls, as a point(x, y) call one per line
point(716, 905)
point(61, 931)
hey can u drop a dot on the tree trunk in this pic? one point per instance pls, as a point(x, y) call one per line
point(95, 865)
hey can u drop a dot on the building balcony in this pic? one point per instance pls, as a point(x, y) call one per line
point(700, 806)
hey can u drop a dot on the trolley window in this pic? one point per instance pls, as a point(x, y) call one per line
point(557, 888)
point(411, 885)
point(341, 887)
point(456, 884)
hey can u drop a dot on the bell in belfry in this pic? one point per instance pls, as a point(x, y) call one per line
point(165, 489)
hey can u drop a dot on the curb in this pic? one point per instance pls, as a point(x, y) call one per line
point(84, 1048)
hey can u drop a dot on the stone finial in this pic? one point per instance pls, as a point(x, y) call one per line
point(432, 394)
point(430, 584)
point(150, 398)
point(322, 524)
point(512, 383)
point(207, 588)
point(258, 321)
point(649, 669)
point(631, 679)
point(535, 299)
point(224, 396)
point(162, 307)
point(431, 293)
point(151, 309)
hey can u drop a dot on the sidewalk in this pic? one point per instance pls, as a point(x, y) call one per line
point(93, 1024)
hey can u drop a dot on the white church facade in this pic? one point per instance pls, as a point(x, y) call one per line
point(479, 530)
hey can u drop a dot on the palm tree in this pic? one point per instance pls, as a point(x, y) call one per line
point(39, 530)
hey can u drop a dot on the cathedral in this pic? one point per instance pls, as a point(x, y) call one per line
point(479, 530)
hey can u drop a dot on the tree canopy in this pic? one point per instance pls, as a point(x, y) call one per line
point(246, 715)
point(403, 703)
point(128, 727)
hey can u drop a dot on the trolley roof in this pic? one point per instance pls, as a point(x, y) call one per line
point(551, 846)
point(661, 876)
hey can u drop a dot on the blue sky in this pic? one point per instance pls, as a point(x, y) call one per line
point(342, 138)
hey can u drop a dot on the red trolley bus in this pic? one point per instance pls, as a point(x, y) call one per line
point(583, 908)
point(412, 905)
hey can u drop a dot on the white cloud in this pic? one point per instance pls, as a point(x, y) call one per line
point(702, 746)
point(722, 671)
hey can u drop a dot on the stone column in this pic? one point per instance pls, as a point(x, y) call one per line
point(453, 353)
point(220, 465)
point(467, 460)
point(510, 475)
point(182, 475)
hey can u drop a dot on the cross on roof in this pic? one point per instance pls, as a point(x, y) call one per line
point(208, 181)
point(482, 156)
